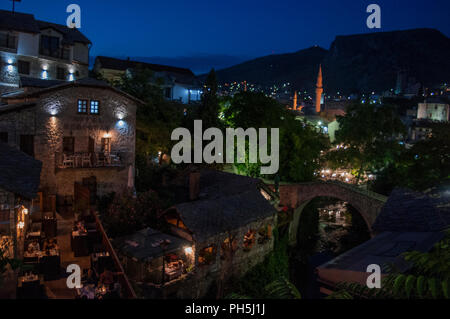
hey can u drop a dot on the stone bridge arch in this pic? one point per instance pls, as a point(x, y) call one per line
point(297, 196)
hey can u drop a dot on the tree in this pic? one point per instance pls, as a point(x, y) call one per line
point(370, 133)
point(300, 144)
point(209, 111)
point(424, 165)
point(157, 118)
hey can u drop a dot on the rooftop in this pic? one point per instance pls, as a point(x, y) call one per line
point(181, 75)
point(384, 250)
point(410, 211)
point(19, 173)
point(226, 202)
point(24, 22)
point(146, 244)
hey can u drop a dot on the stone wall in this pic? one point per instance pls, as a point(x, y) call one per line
point(55, 116)
point(297, 196)
point(9, 72)
point(204, 276)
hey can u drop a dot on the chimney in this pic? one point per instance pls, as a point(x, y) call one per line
point(194, 185)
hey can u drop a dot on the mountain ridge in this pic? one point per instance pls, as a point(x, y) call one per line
point(354, 63)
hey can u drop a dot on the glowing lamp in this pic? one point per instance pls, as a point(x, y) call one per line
point(188, 250)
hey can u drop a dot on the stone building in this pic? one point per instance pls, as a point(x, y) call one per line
point(226, 223)
point(83, 132)
point(179, 84)
point(435, 109)
point(39, 49)
point(19, 182)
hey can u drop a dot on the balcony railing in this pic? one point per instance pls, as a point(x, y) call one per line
point(88, 160)
point(61, 53)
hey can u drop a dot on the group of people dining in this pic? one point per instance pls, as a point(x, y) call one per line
point(100, 287)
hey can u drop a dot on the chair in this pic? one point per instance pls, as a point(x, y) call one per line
point(100, 159)
point(68, 161)
point(86, 159)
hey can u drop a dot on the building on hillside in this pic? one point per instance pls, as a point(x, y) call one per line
point(39, 49)
point(83, 132)
point(408, 221)
point(225, 222)
point(179, 84)
point(435, 109)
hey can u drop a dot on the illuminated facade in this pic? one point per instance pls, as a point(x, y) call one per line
point(38, 49)
point(178, 84)
point(80, 130)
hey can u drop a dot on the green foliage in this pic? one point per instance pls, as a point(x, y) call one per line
point(209, 111)
point(300, 144)
point(274, 267)
point(424, 165)
point(156, 119)
point(370, 133)
point(282, 289)
point(127, 214)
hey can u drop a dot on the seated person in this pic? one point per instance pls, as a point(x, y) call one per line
point(90, 277)
point(80, 227)
point(50, 244)
point(30, 251)
point(113, 292)
point(107, 277)
point(33, 246)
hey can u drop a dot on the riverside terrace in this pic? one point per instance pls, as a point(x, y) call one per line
point(220, 226)
point(45, 242)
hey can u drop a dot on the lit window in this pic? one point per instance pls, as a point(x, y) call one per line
point(94, 107)
point(82, 106)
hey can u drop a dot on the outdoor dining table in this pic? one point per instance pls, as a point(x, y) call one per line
point(80, 243)
point(29, 286)
point(100, 260)
point(49, 225)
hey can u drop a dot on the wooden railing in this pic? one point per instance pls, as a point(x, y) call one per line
point(122, 277)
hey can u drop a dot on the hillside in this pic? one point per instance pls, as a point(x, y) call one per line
point(355, 63)
point(297, 68)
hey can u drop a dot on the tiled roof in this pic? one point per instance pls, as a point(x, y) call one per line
point(226, 202)
point(180, 75)
point(145, 244)
point(38, 83)
point(385, 250)
point(27, 23)
point(18, 22)
point(70, 35)
point(410, 211)
point(84, 82)
point(19, 173)
point(122, 65)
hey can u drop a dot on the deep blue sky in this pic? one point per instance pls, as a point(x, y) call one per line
point(237, 28)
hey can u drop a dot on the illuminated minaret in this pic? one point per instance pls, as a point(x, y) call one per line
point(294, 106)
point(319, 89)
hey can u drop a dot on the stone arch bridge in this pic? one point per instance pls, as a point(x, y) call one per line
point(297, 196)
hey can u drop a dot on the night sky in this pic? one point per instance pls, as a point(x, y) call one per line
point(225, 32)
